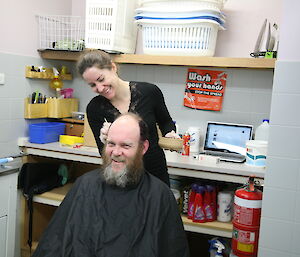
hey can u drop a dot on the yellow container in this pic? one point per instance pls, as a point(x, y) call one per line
point(34, 111)
point(70, 140)
point(62, 107)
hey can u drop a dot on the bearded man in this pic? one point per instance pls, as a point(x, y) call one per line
point(120, 210)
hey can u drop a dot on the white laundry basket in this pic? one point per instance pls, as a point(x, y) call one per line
point(214, 4)
point(61, 32)
point(179, 37)
point(110, 25)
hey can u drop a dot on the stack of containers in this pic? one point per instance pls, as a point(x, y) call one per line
point(109, 25)
point(177, 27)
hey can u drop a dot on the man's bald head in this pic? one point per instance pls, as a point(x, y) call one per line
point(132, 121)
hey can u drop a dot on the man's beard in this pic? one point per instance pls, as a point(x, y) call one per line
point(129, 175)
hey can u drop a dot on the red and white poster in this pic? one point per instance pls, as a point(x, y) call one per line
point(205, 89)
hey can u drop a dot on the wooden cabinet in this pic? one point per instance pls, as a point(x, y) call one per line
point(87, 158)
point(8, 208)
point(73, 127)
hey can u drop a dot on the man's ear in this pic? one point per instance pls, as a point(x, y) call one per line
point(145, 146)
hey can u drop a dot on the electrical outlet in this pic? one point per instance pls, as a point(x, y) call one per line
point(2, 78)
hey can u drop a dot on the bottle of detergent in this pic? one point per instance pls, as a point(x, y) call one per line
point(262, 131)
point(199, 212)
point(191, 204)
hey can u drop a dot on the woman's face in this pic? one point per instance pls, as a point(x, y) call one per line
point(102, 81)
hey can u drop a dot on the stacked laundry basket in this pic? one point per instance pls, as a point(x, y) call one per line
point(176, 27)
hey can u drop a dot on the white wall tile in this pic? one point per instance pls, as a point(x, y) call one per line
point(17, 108)
point(5, 150)
point(127, 72)
point(279, 168)
point(265, 252)
point(276, 202)
point(295, 239)
point(163, 74)
point(284, 142)
point(261, 101)
point(242, 79)
point(275, 234)
point(297, 207)
point(285, 109)
point(18, 129)
point(179, 75)
point(262, 80)
point(237, 100)
point(5, 108)
point(145, 73)
point(5, 127)
point(286, 77)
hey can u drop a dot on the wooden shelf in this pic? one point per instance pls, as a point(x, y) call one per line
point(25, 251)
point(223, 229)
point(223, 62)
point(48, 74)
point(56, 196)
point(53, 197)
point(71, 120)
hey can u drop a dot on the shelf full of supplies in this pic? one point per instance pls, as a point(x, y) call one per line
point(201, 61)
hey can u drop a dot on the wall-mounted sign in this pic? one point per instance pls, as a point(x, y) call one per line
point(205, 89)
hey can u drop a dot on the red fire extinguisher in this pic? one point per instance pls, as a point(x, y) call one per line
point(246, 220)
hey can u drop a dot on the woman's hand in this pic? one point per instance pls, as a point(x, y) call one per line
point(104, 131)
point(172, 134)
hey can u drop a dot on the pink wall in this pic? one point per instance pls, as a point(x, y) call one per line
point(244, 20)
point(18, 25)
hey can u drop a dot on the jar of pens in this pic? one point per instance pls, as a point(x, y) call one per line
point(35, 106)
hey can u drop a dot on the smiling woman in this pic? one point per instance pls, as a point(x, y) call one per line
point(116, 96)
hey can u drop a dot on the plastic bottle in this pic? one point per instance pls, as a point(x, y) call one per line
point(262, 131)
point(6, 160)
point(213, 200)
point(225, 206)
point(56, 82)
point(199, 212)
point(195, 139)
point(176, 126)
point(191, 204)
point(207, 204)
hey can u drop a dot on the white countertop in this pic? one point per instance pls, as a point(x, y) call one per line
point(10, 167)
point(177, 164)
point(188, 162)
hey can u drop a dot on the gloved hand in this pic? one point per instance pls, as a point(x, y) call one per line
point(104, 131)
point(172, 134)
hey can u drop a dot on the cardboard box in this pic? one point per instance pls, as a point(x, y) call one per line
point(88, 135)
point(62, 107)
point(35, 111)
point(54, 108)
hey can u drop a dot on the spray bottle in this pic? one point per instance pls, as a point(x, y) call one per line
point(216, 248)
point(56, 82)
point(6, 160)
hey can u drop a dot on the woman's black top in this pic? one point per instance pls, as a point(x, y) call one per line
point(147, 101)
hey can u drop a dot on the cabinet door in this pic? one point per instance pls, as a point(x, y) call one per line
point(74, 129)
point(4, 195)
point(3, 221)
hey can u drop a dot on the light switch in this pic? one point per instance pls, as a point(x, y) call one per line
point(2, 78)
